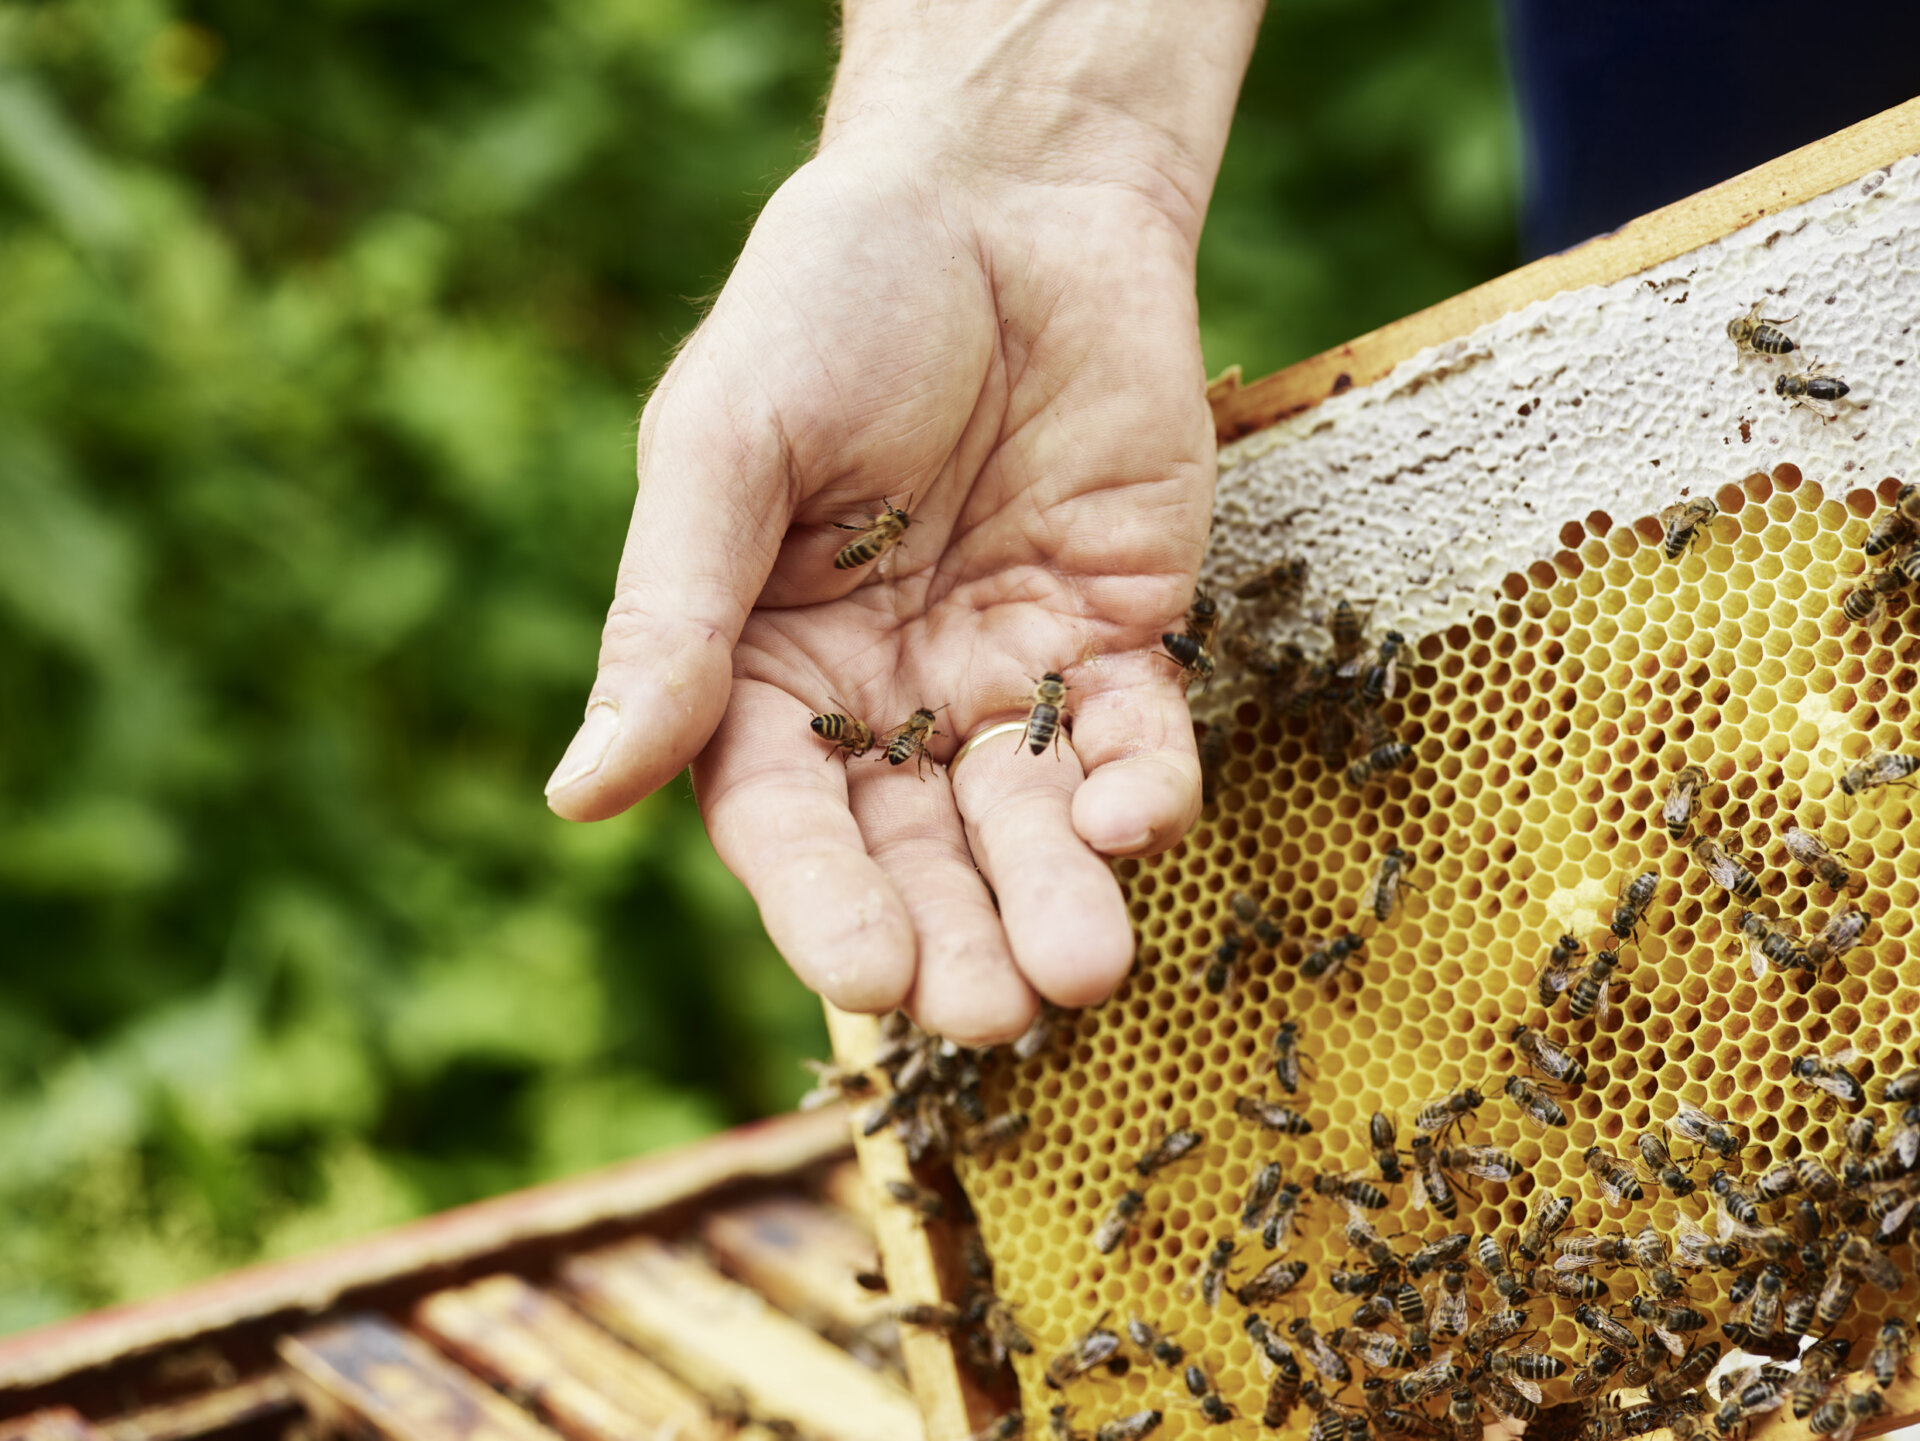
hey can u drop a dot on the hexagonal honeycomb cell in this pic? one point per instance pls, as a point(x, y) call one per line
point(1544, 736)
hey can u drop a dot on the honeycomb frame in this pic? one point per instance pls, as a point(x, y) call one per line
point(1546, 732)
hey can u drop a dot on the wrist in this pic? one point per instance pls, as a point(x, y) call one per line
point(1072, 92)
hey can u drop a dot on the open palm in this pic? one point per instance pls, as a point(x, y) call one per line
point(1023, 361)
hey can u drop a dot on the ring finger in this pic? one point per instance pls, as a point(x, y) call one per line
point(1064, 916)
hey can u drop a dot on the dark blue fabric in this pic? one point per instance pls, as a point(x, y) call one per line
point(1625, 107)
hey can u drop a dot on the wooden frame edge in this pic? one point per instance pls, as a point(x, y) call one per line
point(630, 1191)
point(1661, 235)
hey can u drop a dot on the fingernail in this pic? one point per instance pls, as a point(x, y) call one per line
point(1128, 846)
point(589, 747)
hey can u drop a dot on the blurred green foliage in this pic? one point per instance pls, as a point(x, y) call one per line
point(321, 329)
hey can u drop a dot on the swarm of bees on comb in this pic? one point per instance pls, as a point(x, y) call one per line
point(1633, 894)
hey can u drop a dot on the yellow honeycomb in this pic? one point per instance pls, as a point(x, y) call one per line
point(1544, 737)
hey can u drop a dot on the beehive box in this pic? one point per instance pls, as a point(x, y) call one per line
point(1494, 497)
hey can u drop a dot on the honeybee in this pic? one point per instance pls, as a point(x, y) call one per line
point(908, 740)
point(1213, 1271)
point(1808, 387)
point(1590, 993)
point(1324, 1359)
point(1435, 1254)
point(1430, 1184)
point(1376, 1348)
point(1890, 529)
point(1558, 973)
point(1118, 1222)
point(1443, 1113)
point(1683, 799)
point(1725, 871)
point(1174, 1146)
point(1384, 1138)
point(1736, 1202)
point(1448, 1300)
point(1552, 1060)
point(1383, 895)
point(1261, 1191)
point(1043, 721)
point(1688, 1372)
point(1098, 1347)
point(1651, 1256)
point(1203, 617)
point(1265, 930)
point(1546, 1221)
point(876, 538)
point(1284, 581)
point(1660, 1165)
point(1377, 680)
point(1194, 659)
point(1286, 1056)
point(1515, 1397)
point(1631, 907)
point(917, 1198)
point(1222, 969)
point(1832, 1076)
point(1696, 1249)
point(1347, 1186)
point(1328, 962)
point(834, 1082)
point(1686, 523)
point(1130, 1428)
point(1005, 1127)
point(1865, 602)
point(1770, 942)
point(1424, 1381)
point(1861, 1137)
point(1603, 1327)
point(1153, 1344)
point(1862, 1258)
point(1888, 1360)
point(1705, 1130)
point(1348, 626)
point(1463, 1414)
point(1486, 1163)
point(1882, 768)
point(1753, 333)
point(1492, 1261)
point(855, 737)
point(1496, 1327)
point(1272, 1116)
point(1841, 1416)
point(1906, 563)
point(1271, 1282)
point(1278, 1233)
point(941, 1316)
point(1838, 936)
point(1378, 761)
point(1616, 1177)
point(1903, 1089)
point(1038, 1035)
point(1535, 1104)
point(1601, 1365)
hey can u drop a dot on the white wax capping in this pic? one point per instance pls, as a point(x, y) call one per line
point(1423, 491)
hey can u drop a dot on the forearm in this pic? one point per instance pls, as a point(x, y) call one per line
point(1135, 92)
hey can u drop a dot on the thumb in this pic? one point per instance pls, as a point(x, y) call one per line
point(714, 502)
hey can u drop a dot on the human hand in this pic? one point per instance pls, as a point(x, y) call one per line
point(1017, 348)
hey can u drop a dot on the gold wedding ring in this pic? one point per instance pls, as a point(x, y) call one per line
point(1003, 728)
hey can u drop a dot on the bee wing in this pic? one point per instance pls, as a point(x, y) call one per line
point(1844, 1057)
point(1891, 1222)
point(1371, 895)
point(1564, 1262)
point(1690, 1121)
point(1554, 978)
point(1757, 957)
point(1419, 1189)
point(1835, 1086)
point(1489, 1164)
point(1528, 1389)
point(1603, 1003)
point(1672, 1342)
point(1905, 1143)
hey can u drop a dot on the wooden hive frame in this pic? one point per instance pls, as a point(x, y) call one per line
point(650, 1299)
point(950, 1402)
